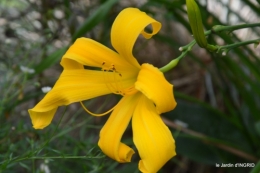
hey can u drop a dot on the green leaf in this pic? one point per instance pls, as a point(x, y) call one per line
point(21, 5)
point(50, 60)
point(130, 168)
point(28, 96)
point(256, 44)
point(196, 150)
point(24, 166)
point(257, 127)
point(94, 19)
point(256, 169)
point(209, 122)
point(253, 7)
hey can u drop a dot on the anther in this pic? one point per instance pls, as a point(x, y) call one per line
point(113, 67)
point(114, 83)
point(103, 63)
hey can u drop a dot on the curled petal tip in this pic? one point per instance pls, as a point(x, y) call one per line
point(41, 119)
point(125, 154)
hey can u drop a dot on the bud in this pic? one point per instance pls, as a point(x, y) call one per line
point(196, 23)
point(174, 62)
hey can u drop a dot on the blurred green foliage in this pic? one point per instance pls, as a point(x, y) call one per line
point(218, 96)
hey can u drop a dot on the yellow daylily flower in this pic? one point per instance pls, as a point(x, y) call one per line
point(146, 93)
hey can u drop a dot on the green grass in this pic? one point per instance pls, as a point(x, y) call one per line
point(221, 104)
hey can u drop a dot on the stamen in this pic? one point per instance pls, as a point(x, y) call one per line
point(115, 85)
point(106, 78)
point(118, 88)
point(130, 91)
point(91, 113)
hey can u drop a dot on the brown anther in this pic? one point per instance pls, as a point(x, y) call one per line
point(120, 74)
point(113, 67)
point(103, 63)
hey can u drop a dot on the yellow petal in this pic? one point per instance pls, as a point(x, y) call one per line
point(152, 83)
point(91, 53)
point(41, 119)
point(72, 86)
point(111, 133)
point(127, 26)
point(152, 137)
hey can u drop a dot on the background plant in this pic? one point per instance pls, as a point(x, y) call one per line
point(218, 94)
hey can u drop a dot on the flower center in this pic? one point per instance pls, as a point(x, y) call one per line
point(114, 82)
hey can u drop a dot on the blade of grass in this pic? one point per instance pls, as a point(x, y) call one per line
point(99, 15)
point(50, 60)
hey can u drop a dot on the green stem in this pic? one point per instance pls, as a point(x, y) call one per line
point(219, 28)
point(60, 157)
point(54, 132)
point(226, 48)
point(30, 155)
point(215, 29)
point(173, 63)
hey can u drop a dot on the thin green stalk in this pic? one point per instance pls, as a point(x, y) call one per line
point(29, 156)
point(215, 29)
point(39, 149)
point(59, 157)
point(33, 165)
point(220, 28)
point(173, 63)
point(226, 48)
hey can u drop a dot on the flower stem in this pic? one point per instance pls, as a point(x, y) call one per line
point(37, 151)
point(60, 157)
point(226, 48)
point(219, 28)
point(54, 132)
point(174, 62)
point(215, 29)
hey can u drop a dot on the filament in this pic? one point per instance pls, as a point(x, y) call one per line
point(115, 85)
point(91, 113)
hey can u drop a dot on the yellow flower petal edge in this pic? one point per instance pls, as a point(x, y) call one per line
point(111, 133)
point(41, 119)
point(152, 83)
point(126, 28)
point(91, 53)
point(72, 86)
point(152, 137)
